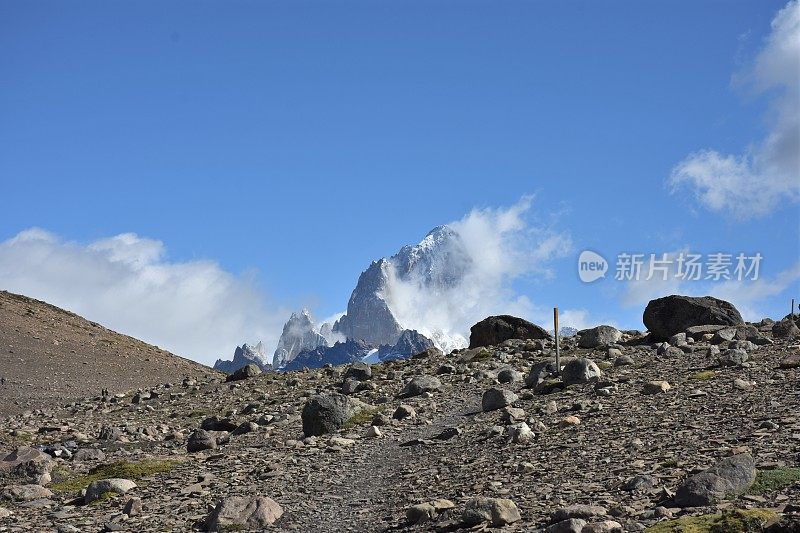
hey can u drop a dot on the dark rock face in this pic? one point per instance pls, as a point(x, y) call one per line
point(243, 356)
point(340, 353)
point(299, 333)
point(368, 318)
point(729, 477)
point(411, 342)
point(673, 314)
point(496, 329)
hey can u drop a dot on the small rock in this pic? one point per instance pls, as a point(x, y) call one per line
point(404, 411)
point(497, 398)
point(133, 507)
point(97, 489)
point(580, 370)
point(733, 357)
point(521, 433)
point(578, 510)
point(246, 372)
point(731, 476)
point(420, 384)
point(249, 512)
point(656, 387)
point(599, 336)
point(373, 432)
point(571, 525)
point(497, 511)
point(26, 493)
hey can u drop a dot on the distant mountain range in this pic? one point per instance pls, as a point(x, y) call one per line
point(369, 328)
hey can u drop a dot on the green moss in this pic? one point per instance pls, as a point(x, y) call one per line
point(703, 375)
point(362, 417)
point(670, 463)
point(775, 480)
point(64, 481)
point(104, 497)
point(604, 365)
point(737, 521)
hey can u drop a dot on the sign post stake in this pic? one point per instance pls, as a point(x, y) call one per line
point(558, 348)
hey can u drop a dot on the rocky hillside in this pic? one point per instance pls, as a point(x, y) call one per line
point(49, 356)
point(700, 432)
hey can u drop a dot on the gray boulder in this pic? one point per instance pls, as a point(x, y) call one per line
point(244, 512)
point(673, 314)
point(785, 329)
point(496, 329)
point(325, 413)
point(359, 371)
point(26, 493)
point(540, 372)
point(580, 370)
point(419, 385)
point(97, 489)
point(202, 439)
point(599, 336)
point(733, 357)
point(246, 372)
point(731, 476)
point(497, 398)
point(497, 511)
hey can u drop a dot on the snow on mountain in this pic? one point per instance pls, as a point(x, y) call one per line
point(299, 334)
point(244, 355)
point(437, 263)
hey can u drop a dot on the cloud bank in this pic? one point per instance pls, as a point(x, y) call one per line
point(494, 248)
point(755, 183)
point(194, 309)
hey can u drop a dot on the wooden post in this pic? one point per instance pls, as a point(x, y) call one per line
point(558, 348)
point(792, 307)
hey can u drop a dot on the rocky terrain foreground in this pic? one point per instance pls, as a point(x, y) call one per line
point(49, 355)
point(699, 431)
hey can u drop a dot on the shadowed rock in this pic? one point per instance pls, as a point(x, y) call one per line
point(673, 314)
point(496, 329)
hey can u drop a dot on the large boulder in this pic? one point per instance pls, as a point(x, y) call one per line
point(731, 476)
point(496, 329)
point(235, 513)
point(599, 336)
point(325, 413)
point(785, 329)
point(673, 314)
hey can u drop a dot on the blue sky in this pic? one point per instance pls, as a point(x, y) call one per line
point(282, 146)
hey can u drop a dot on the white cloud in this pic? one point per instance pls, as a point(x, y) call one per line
point(749, 297)
point(756, 182)
point(752, 297)
point(194, 308)
point(495, 247)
